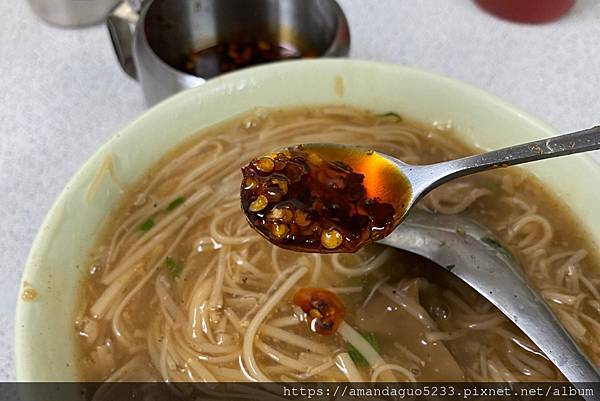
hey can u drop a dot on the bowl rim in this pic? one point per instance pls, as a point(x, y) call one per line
point(42, 238)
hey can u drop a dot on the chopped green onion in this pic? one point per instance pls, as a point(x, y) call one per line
point(173, 268)
point(175, 203)
point(391, 114)
point(372, 339)
point(147, 225)
point(356, 356)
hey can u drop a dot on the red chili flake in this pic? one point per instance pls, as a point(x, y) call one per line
point(325, 311)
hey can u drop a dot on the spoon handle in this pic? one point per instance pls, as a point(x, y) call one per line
point(561, 145)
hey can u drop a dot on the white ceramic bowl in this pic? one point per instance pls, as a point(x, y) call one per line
point(44, 327)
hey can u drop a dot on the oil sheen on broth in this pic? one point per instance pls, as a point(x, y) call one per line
point(181, 288)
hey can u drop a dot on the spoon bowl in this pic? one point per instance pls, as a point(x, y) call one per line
point(324, 198)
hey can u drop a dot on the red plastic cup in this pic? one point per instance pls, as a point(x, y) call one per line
point(531, 11)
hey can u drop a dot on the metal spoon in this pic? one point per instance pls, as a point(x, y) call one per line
point(422, 179)
point(470, 252)
point(354, 195)
point(489, 271)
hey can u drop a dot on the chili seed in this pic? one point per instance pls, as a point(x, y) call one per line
point(301, 218)
point(279, 230)
point(249, 183)
point(282, 184)
point(331, 239)
point(259, 204)
point(264, 164)
point(283, 214)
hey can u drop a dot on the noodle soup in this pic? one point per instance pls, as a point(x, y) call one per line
point(180, 288)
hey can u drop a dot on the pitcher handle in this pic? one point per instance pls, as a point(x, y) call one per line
point(121, 24)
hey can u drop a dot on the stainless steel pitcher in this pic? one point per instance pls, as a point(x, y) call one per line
point(151, 44)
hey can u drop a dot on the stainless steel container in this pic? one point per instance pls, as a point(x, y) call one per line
point(151, 46)
point(73, 13)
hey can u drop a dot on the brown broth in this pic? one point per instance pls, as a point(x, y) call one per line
point(437, 291)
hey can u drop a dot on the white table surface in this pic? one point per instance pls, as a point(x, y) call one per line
point(62, 94)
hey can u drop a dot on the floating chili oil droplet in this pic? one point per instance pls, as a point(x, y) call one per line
point(317, 198)
point(324, 310)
